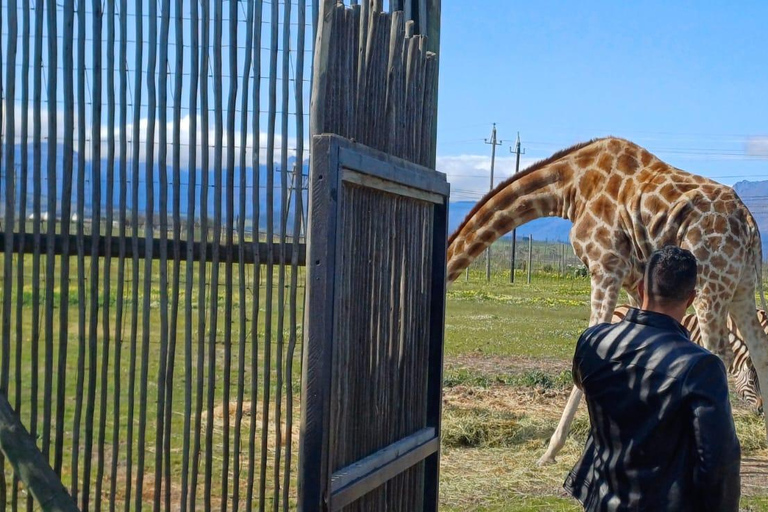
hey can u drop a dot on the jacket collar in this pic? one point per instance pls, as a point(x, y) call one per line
point(657, 320)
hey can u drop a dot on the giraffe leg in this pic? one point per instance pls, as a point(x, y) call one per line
point(744, 314)
point(605, 294)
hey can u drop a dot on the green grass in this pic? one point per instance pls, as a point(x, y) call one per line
point(507, 377)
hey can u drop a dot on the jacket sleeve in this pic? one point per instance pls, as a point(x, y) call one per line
point(718, 454)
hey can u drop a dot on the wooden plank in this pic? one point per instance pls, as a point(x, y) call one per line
point(322, 10)
point(368, 181)
point(200, 250)
point(30, 464)
point(314, 473)
point(363, 159)
point(436, 350)
point(381, 475)
point(355, 472)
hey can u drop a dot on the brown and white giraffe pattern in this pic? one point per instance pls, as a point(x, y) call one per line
point(624, 203)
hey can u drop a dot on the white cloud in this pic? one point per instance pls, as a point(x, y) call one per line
point(469, 175)
point(757, 146)
point(184, 132)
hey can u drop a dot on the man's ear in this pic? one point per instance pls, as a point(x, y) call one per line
point(691, 299)
point(641, 291)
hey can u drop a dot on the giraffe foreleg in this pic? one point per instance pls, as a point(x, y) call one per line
point(604, 296)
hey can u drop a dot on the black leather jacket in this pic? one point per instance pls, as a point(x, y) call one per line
point(662, 436)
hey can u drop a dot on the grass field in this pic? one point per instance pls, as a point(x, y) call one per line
point(507, 378)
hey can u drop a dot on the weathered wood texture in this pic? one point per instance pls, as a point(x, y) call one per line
point(376, 79)
point(374, 333)
point(152, 216)
point(375, 310)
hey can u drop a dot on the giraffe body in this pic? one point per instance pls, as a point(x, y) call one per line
point(625, 203)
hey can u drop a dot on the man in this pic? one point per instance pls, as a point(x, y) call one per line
point(662, 436)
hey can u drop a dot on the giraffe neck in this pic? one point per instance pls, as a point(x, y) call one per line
point(545, 190)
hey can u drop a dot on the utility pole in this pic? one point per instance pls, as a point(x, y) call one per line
point(518, 152)
point(493, 144)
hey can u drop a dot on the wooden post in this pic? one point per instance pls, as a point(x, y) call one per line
point(530, 256)
point(29, 464)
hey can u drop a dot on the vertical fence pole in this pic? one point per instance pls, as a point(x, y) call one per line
point(530, 257)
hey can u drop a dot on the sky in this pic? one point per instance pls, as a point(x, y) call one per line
point(686, 80)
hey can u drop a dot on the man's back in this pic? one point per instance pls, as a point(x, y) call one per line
point(662, 435)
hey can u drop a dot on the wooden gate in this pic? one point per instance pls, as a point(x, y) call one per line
point(374, 325)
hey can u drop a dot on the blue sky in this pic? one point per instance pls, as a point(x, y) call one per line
point(687, 80)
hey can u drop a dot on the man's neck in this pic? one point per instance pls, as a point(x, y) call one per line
point(676, 311)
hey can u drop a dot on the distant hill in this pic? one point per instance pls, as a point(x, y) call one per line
point(755, 196)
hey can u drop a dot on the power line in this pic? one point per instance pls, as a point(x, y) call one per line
point(493, 144)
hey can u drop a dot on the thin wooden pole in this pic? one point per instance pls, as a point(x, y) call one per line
point(149, 236)
point(95, 232)
point(162, 153)
point(256, 200)
point(81, 147)
point(267, 374)
point(228, 278)
point(283, 228)
point(177, 96)
point(117, 417)
point(241, 248)
point(37, 66)
point(135, 163)
point(530, 257)
point(107, 286)
point(218, 139)
point(10, 206)
point(50, 266)
point(193, 78)
point(22, 211)
point(201, 329)
point(298, 208)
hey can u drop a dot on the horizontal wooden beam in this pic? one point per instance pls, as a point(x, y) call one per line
point(352, 482)
point(198, 248)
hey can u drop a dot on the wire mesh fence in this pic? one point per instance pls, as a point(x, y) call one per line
point(153, 216)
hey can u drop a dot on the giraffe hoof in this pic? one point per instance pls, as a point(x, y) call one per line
point(546, 460)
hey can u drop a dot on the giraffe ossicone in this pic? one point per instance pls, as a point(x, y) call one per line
point(624, 203)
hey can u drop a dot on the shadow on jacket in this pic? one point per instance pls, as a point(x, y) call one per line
point(662, 436)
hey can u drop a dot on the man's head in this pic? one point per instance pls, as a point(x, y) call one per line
point(669, 283)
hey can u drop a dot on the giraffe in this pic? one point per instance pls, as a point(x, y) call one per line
point(624, 203)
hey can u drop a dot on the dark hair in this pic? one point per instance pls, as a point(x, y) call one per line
point(670, 275)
